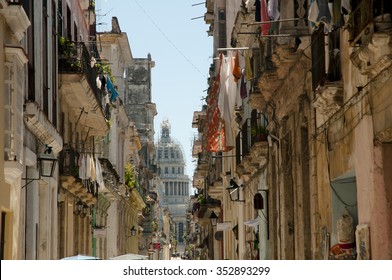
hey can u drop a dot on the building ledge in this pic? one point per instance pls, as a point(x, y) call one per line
point(41, 127)
point(375, 56)
point(329, 98)
point(16, 19)
point(13, 171)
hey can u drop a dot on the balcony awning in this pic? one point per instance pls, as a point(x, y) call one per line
point(41, 127)
point(252, 223)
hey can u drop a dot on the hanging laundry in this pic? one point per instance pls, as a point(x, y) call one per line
point(248, 67)
point(107, 111)
point(236, 68)
point(227, 97)
point(319, 12)
point(93, 170)
point(265, 27)
point(88, 167)
point(82, 167)
point(257, 13)
point(216, 137)
point(243, 90)
point(273, 11)
point(98, 169)
point(92, 62)
point(112, 91)
point(98, 82)
point(345, 7)
point(335, 8)
point(103, 83)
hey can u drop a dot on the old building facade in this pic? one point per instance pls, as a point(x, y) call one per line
point(314, 186)
point(64, 109)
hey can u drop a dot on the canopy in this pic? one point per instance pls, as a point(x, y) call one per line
point(130, 257)
point(81, 257)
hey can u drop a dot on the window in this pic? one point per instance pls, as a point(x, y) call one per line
point(222, 28)
point(173, 170)
point(318, 56)
point(180, 232)
point(68, 30)
point(172, 153)
point(14, 81)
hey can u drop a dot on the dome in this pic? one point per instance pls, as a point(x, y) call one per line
point(168, 149)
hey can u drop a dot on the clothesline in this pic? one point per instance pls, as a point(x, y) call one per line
point(272, 21)
point(232, 49)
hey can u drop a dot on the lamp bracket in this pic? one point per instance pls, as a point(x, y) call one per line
point(30, 180)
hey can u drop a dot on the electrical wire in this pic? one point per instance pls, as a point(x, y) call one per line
point(168, 39)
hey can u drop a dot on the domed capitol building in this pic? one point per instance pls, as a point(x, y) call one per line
point(171, 168)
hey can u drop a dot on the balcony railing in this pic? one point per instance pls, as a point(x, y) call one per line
point(74, 58)
point(365, 13)
point(69, 161)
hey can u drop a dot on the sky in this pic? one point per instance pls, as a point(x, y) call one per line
point(172, 32)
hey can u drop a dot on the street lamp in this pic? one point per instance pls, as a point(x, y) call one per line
point(213, 218)
point(133, 231)
point(46, 165)
point(83, 214)
point(234, 191)
point(78, 208)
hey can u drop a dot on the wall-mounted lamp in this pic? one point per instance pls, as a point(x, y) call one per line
point(46, 165)
point(83, 214)
point(133, 231)
point(234, 191)
point(213, 218)
point(78, 208)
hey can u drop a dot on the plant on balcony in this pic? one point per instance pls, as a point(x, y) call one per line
point(259, 133)
point(68, 55)
point(146, 211)
point(104, 68)
point(154, 225)
point(130, 176)
point(66, 48)
point(201, 199)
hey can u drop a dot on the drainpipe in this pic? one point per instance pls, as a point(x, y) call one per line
point(278, 154)
point(94, 240)
point(94, 221)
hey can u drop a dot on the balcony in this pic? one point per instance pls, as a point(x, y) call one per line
point(41, 127)
point(78, 87)
point(69, 176)
point(15, 17)
point(329, 98)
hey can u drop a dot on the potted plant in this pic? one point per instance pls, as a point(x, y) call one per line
point(259, 133)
